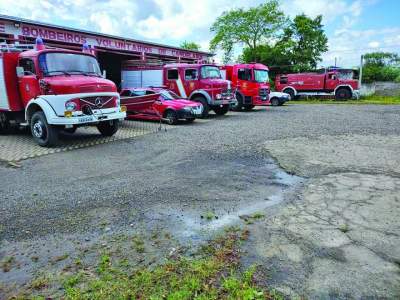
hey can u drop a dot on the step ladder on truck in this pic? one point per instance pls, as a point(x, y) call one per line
point(52, 89)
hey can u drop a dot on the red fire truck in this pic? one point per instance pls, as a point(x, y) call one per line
point(55, 89)
point(197, 82)
point(326, 82)
point(251, 83)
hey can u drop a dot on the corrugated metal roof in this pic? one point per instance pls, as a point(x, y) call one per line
point(27, 21)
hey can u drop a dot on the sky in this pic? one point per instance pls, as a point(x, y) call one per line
point(353, 27)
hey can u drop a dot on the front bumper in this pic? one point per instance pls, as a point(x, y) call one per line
point(260, 101)
point(88, 119)
point(230, 102)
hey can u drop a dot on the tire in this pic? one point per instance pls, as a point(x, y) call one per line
point(4, 123)
point(191, 120)
point(108, 128)
point(275, 102)
point(220, 111)
point(171, 117)
point(248, 107)
point(239, 105)
point(343, 94)
point(206, 107)
point(44, 134)
point(290, 92)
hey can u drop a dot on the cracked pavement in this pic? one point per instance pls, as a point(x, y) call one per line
point(340, 237)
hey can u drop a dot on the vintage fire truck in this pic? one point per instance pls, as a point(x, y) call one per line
point(197, 82)
point(335, 82)
point(55, 89)
point(251, 83)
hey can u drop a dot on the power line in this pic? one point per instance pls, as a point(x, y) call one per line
point(364, 49)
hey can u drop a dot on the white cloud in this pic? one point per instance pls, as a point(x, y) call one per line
point(173, 21)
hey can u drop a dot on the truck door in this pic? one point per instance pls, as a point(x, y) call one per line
point(174, 83)
point(331, 81)
point(28, 82)
point(191, 77)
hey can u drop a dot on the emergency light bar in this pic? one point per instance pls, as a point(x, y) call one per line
point(39, 45)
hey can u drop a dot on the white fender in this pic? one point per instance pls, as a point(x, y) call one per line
point(344, 85)
point(203, 93)
point(47, 109)
point(290, 87)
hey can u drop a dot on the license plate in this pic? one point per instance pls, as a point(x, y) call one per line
point(85, 119)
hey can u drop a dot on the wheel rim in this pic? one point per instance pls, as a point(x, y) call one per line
point(170, 117)
point(39, 130)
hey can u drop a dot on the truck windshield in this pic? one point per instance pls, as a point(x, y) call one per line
point(346, 75)
point(261, 76)
point(56, 63)
point(169, 95)
point(209, 72)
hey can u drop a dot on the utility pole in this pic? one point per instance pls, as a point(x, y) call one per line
point(361, 72)
point(335, 62)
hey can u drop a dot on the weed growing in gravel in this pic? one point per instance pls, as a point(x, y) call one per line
point(138, 244)
point(7, 263)
point(212, 273)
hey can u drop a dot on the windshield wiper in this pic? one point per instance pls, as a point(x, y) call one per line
point(56, 71)
point(79, 72)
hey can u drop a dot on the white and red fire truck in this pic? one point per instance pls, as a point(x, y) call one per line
point(197, 82)
point(55, 89)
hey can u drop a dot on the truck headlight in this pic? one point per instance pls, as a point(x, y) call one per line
point(70, 106)
point(218, 96)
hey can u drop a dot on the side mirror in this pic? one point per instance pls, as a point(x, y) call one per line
point(104, 75)
point(20, 72)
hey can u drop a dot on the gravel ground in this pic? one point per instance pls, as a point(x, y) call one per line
point(171, 180)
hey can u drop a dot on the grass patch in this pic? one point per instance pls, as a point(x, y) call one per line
point(373, 99)
point(250, 219)
point(212, 273)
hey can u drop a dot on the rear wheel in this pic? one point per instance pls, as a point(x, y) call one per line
point(239, 105)
point(206, 107)
point(248, 107)
point(290, 92)
point(44, 134)
point(221, 110)
point(171, 117)
point(4, 123)
point(342, 94)
point(108, 128)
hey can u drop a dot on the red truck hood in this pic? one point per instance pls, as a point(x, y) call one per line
point(76, 84)
point(215, 83)
point(180, 103)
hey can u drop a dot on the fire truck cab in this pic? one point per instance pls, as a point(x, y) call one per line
point(251, 83)
point(55, 89)
point(197, 82)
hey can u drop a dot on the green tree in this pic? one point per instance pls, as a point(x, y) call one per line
point(381, 66)
point(190, 46)
point(299, 49)
point(251, 28)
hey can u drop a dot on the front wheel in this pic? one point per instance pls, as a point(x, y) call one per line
point(342, 94)
point(248, 107)
point(206, 107)
point(44, 134)
point(221, 110)
point(108, 128)
point(171, 117)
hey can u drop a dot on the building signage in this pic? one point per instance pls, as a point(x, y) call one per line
point(74, 37)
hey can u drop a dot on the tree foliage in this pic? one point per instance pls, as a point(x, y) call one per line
point(190, 46)
point(251, 27)
point(381, 66)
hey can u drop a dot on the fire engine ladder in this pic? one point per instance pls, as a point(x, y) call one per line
point(18, 47)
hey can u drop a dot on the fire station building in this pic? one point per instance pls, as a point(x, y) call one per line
point(114, 53)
